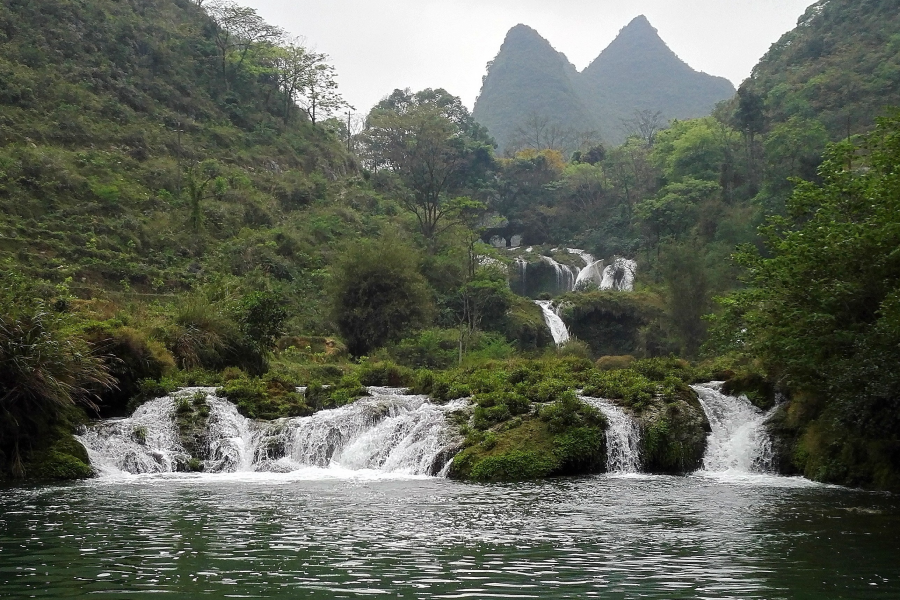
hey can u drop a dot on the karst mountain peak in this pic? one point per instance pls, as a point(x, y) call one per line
point(530, 80)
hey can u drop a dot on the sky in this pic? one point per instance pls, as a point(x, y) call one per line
point(377, 46)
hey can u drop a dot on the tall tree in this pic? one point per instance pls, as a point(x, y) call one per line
point(238, 30)
point(822, 309)
point(438, 153)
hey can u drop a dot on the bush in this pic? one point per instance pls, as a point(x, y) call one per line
point(568, 412)
point(132, 358)
point(613, 363)
point(386, 374)
point(265, 398)
point(44, 369)
point(378, 294)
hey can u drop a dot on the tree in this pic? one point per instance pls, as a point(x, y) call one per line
point(674, 210)
point(306, 79)
point(821, 311)
point(238, 30)
point(199, 177)
point(539, 132)
point(377, 294)
point(687, 295)
point(318, 95)
point(434, 148)
point(644, 125)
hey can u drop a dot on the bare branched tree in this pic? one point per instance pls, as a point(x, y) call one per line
point(645, 124)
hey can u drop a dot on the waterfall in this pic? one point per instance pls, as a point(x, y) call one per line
point(388, 432)
point(587, 258)
point(523, 270)
point(623, 437)
point(619, 275)
point(565, 275)
point(554, 322)
point(738, 440)
point(592, 273)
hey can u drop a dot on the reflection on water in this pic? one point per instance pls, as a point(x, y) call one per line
point(304, 536)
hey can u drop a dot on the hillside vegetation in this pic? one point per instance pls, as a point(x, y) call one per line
point(840, 66)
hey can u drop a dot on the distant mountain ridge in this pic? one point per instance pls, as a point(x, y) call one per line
point(529, 79)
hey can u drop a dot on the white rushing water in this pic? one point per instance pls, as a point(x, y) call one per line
point(565, 275)
point(551, 316)
point(623, 437)
point(738, 441)
point(388, 432)
point(619, 275)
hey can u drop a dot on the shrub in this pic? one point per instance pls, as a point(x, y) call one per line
point(387, 374)
point(613, 363)
point(378, 294)
point(569, 412)
point(44, 369)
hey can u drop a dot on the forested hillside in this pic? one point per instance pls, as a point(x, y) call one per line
point(143, 148)
point(532, 94)
point(840, 67)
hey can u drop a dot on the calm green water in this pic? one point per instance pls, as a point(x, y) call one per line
point(290, 537)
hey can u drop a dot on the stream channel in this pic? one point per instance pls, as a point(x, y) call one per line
point(356, 523)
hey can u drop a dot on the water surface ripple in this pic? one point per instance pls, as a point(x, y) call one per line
point(609, 537)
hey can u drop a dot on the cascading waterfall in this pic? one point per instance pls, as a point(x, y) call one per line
point(738, 440)
point(623, 437)
point(551, 317)
point(593, 273)
point(565, 275)
point(619, 275)
point(146, 442)
point(523, 270)
point(388, 432)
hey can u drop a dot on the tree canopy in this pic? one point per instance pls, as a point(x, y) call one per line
point(822, 306)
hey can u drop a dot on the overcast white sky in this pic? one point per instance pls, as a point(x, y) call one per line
point(377, 46)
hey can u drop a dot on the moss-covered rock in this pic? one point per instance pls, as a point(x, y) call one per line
point(811, 437)
point(674, 431)
point(759, 390)
point(525, 326)
point(64, 459)
point(266, 397)
point(612, 323)
point(566, 438)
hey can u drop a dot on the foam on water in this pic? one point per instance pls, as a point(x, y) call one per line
point(738, 442)
point(388, 433)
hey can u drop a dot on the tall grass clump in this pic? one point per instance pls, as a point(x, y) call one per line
point(45, 371)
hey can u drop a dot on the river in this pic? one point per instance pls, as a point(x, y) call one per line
point(324, 533)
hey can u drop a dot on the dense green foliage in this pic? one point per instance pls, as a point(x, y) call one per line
point(820, 312)
point(840, 66)
point(46, 370)
point(378, 294)
point(533, 97)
